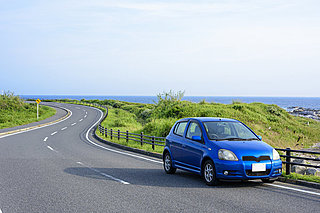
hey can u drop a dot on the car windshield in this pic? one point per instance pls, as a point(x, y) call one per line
point(233, 131)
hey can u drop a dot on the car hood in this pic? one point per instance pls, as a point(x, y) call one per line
point(246, 148)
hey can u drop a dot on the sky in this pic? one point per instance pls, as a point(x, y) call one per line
point(205, 48)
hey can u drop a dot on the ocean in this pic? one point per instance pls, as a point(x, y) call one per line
point(284, 102)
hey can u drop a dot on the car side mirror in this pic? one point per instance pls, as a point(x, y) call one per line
point(260, 137)
point(196, 138)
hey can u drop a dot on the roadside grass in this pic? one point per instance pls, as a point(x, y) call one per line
point(15, 112)
point(296, 176)
point(122, 120)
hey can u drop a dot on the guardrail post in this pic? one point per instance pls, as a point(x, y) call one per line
point(111, 134)
point(106, 132)
point(118, 134)
point(103, 130)
point(100, 128)
point(153, 142)
point(288, 160)
point(141, 138)
point(127, 136)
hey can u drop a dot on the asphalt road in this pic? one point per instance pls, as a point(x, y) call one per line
point(61, 168)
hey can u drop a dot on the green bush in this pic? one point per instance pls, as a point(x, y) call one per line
point(14, 111)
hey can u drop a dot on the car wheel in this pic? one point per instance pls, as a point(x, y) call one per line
point(267, 180)
point(167, 164)
point(209, 173)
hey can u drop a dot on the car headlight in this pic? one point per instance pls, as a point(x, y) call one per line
point(275, 155)
point(225, 154)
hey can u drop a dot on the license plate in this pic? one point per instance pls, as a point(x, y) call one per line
point(259, 167)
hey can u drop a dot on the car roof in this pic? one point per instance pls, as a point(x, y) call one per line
point(207, 119)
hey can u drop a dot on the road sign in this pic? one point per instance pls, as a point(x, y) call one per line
point(38, 102)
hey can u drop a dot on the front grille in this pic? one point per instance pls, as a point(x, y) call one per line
point(253, 158)
point(250, 173)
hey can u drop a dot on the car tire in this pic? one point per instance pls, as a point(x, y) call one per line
point(167, 164)
point(267, 180)
point(209, 173)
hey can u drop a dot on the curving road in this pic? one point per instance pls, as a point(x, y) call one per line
point(61, 168)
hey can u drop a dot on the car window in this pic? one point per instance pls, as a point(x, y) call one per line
point(228, 131)
point(179, 129)
point(243, 132)
point(193, 130)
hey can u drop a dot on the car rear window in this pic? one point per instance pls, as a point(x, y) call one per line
point(179, 129)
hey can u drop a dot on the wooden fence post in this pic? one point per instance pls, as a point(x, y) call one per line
point(288, 160)
point(127, 136)
point(153, 142)
point(106, 132)
point(141, 138)
point(111, 134)
point(118, 134)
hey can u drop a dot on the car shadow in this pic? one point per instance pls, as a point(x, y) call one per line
point(154, 177)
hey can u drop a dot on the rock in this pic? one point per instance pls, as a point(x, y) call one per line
point(311, 171)
point(298, 169)
point(316, 146)
point(299, 161)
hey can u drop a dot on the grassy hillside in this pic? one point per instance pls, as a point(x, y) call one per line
point(276, 126)
point(14, 112)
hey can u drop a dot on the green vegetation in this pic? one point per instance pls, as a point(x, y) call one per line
point(296, 176)
point(14, 111)
point(276, 126)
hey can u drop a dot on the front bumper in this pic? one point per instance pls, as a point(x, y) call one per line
point(242, 170)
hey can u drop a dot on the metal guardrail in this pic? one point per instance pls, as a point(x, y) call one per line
point(288, 156)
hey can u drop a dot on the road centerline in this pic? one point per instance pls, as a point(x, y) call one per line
point(49, 147)
point(73, 124)
point(104, 174)
point(54, 133)
point(64, 128)
point(45, 139)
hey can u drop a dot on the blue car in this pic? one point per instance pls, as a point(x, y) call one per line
point(220, 148)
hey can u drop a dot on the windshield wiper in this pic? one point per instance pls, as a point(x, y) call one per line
point(251, 139)
point(236, 139)
point(230, 139)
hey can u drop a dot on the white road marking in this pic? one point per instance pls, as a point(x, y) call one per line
point(40, 126)
point(104, 174)
point(54, 133)
point(86, 112)
point(294, 189)
point(46, 138)
point(0, 211)
point(49, 147)
point(73, 124)
point(116, 151)
point(80, 120)
point(64, 128)
point(85, 116)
